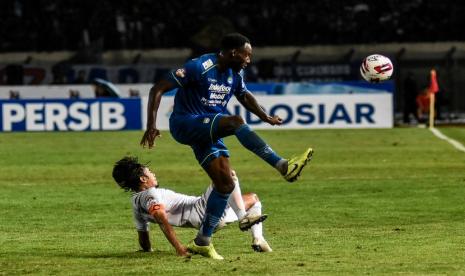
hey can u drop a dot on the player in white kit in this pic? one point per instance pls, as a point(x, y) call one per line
point(168, 208)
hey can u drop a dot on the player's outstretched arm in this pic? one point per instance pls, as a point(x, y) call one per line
point(156, 92)
point(144, 241)
point(251, 104)
point(158, 212)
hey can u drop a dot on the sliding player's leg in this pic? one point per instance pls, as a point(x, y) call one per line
point(246, 219)
point(254, 207)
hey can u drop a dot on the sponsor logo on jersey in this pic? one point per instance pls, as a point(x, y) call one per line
point(207, 64)
point(217, 96)
point(230, 80)
point(217, 88)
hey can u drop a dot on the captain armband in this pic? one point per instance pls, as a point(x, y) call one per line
point(155, 208)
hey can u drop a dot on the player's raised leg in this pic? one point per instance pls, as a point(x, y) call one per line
point(290, 169)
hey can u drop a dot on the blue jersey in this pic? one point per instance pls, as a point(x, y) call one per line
point(203, 89)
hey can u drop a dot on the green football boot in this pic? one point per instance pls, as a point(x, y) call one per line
point(296, 164)
point(206, 251)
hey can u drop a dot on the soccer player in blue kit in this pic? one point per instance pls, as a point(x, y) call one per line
point(200, 120)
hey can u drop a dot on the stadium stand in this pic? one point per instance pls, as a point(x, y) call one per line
point(142, 24)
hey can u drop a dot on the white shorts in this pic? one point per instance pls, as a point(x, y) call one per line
point(199, 209)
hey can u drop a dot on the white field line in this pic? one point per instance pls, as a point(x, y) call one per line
point(451, 141)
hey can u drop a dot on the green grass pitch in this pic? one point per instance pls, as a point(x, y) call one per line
point(371, 202)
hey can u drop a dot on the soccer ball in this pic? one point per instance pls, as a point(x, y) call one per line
point(376, 68)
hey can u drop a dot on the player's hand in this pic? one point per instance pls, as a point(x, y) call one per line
point(149, 137)
point(182, 251)
point(275, 120)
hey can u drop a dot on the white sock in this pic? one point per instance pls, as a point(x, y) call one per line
point(235, 200)
point(257, 229)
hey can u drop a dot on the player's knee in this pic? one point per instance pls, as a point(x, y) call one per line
point(229, 124)
point(230, 188)
point(235, 122)
point(223, 181)
point(250, 199)
point(227, 183)
point(238, 120)
point(225, 186)
point(220, 172)
point(254, 198)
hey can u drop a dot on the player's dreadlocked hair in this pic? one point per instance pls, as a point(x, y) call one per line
point(233, 41)
point(127, 173)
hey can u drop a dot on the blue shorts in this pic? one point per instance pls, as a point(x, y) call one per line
point(199, 132)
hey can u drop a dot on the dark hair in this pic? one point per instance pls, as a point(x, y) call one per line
point(233, 41)
point(127, 173)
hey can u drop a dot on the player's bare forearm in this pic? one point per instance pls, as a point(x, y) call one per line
point(251, 104)
point(155, 95)
point(170, 235)
point(144, 241)
point(168, 231)
point(156, 92)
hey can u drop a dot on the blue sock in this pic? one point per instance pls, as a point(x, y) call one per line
point(251, 141)
point(216, 205)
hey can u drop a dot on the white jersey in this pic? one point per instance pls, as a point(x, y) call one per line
point(177, 207)
point(181, 210)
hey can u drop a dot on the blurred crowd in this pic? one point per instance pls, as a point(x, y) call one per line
point(46, 25)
